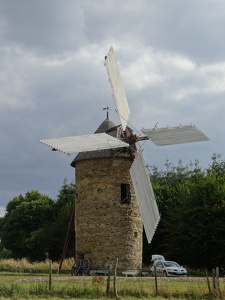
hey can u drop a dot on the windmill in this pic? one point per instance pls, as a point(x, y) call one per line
point(114, 193)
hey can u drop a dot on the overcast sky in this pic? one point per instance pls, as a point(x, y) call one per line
point(53, 82)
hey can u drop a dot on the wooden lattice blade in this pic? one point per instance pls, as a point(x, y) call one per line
point(117, 88)
point(175, 135)
point(84, 143)
point(145, 195)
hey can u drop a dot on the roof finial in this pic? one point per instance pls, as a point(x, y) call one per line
point(107, 108)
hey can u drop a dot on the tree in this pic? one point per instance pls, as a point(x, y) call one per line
point(25, 215)
point(51, 238)
point(34, 224)
point(199, 223)
point(167, 187)
point(192, 206)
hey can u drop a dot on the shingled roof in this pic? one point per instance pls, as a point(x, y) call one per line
point(110, 128)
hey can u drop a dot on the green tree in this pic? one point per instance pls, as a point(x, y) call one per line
point(199, 223)
point(192, 206)
point(23, 216)
point(34, 224)
point(167, 185)
point(51, 238)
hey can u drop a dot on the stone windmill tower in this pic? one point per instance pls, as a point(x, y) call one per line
point(108, 222)
point(114, 192)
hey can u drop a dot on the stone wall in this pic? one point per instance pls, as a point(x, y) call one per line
point(105, 228)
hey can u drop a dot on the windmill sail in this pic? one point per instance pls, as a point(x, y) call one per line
point(145, 196)
point(117, 88)
point(84, 143)
point(175, 135)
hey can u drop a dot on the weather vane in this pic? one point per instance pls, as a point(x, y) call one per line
point(107, 108)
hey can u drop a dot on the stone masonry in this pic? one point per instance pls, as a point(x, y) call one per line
point(106, 229)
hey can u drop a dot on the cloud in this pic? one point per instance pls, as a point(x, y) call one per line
point(53, 81)
point(45, 28)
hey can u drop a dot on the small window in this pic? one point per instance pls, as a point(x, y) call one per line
point(125, 193)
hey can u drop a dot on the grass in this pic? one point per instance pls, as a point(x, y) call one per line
point(12, 287)
point(24, 265)
point(32, 285)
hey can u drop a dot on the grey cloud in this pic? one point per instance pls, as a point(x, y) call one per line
point(53, 81)
point(48, 27)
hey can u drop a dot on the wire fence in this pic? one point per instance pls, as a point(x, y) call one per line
point(210, 285)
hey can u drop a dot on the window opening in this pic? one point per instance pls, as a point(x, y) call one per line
point(125, 193)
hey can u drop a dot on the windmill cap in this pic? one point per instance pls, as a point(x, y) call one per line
point(107, 126)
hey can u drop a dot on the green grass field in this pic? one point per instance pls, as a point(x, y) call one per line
point(20, 279)
point(29, 286)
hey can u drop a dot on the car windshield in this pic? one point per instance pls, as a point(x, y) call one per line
point(171, 264)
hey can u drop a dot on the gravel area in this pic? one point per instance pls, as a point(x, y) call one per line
point(62, 278)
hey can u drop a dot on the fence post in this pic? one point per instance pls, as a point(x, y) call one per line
point(214, 278)
point(217, 278)
point(208, 282)
point(114, 281)
point(50, 276)
point(108, 280)
point(156, 283)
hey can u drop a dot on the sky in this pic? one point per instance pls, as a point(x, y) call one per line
point(53, 82)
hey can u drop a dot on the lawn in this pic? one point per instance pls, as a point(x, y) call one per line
point(28, 286)
point(20, 279)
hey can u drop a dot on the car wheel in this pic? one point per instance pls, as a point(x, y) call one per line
point(164, 274)
point(150, 274)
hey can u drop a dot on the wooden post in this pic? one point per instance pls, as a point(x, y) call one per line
point(114, 280)
point(50, 276)
point(66, 241)
point(156, 283)
point(108, 280)
point(217, 278)
point(208, 282)
point(214, 278)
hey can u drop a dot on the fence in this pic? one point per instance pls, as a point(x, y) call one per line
point(211, 284)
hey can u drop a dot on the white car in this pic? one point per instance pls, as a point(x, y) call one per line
point(167, 268)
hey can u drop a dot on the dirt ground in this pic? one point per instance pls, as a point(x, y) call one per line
point(59, 278)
